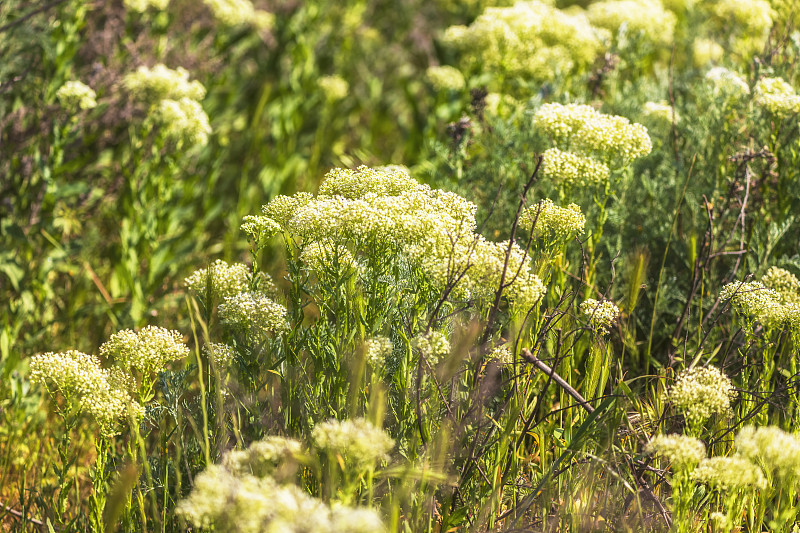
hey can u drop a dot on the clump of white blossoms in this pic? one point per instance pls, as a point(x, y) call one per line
point(101, 393)
point(384, 212)
point(773, 449)
point(146, 351)
point(161, 82)
point(727, 83)
point(174, 102)
point(592, 142)
point(433, 345)
point(361, 444)
point(275, 457)
point(777, 96)
point(754, 299)
point(501, 355)
point(184, 120)
point(334, 87)
point(573, 169)
point(227, 279)
point(530, 40)
point(378, 349)
point(700, 393)
point(683, 452)
point(552, 221)
point(222, 354)
point(602, 315)
point(253, 313)
point(784, 283)
point(445, 78)
point(75, 95)
point(240, 13)
point(745, 24)
point(225, 501)
point(660, 112)
point(729, 473)
point(141, 6)
point(259, 227)
point(645, 18)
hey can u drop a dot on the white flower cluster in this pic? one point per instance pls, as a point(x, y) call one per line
point(700, 393)
point(259, 227)
point(75, 95)
point(240, 13)
point(184, 120)
point(659, 112)
point(377, 350)
point(353, 184)
point(282, 208)
point(433, 345)
point(775, 450)
point(264, 458)
point(141, 6)
point(682, 451)
point(223, 501)
point(745, 24)
point(445, 78)
point(777, 96)
point(573, 169)
point(222, 354)
point(227, 279)
point(103, 394)
point(530, 40)
point(729, 473)
point(552, 221)
point(767, 305)
point(146, 351)
point(784, 283)
point(161, 82)
point(645, 18)
point(727, 83)
point(501, 355)
point(175, 102)
point(357, 441)
point(254, 313)
point(383, 211)
point(590, 136)
point(334, 87)
point(602, 315)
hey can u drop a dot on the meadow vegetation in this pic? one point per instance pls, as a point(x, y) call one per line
point(418, 266)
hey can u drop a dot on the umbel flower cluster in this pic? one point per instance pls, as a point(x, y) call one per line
point(646, 19)
point(774, 301)
point(588, 143)
point(227, 279)
point(382, 214)
point(529, 40)
point(700, 393)
point(174, 102)
point(547, 220)
point(253, 490)
point(601, 315)
point(223, 500)
point(727, 83)
point(681, 451)
point(359, 443)
point(227, 12)
point(75, 95)
point(445, 78)
point(117, 393)
point(777, 97)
